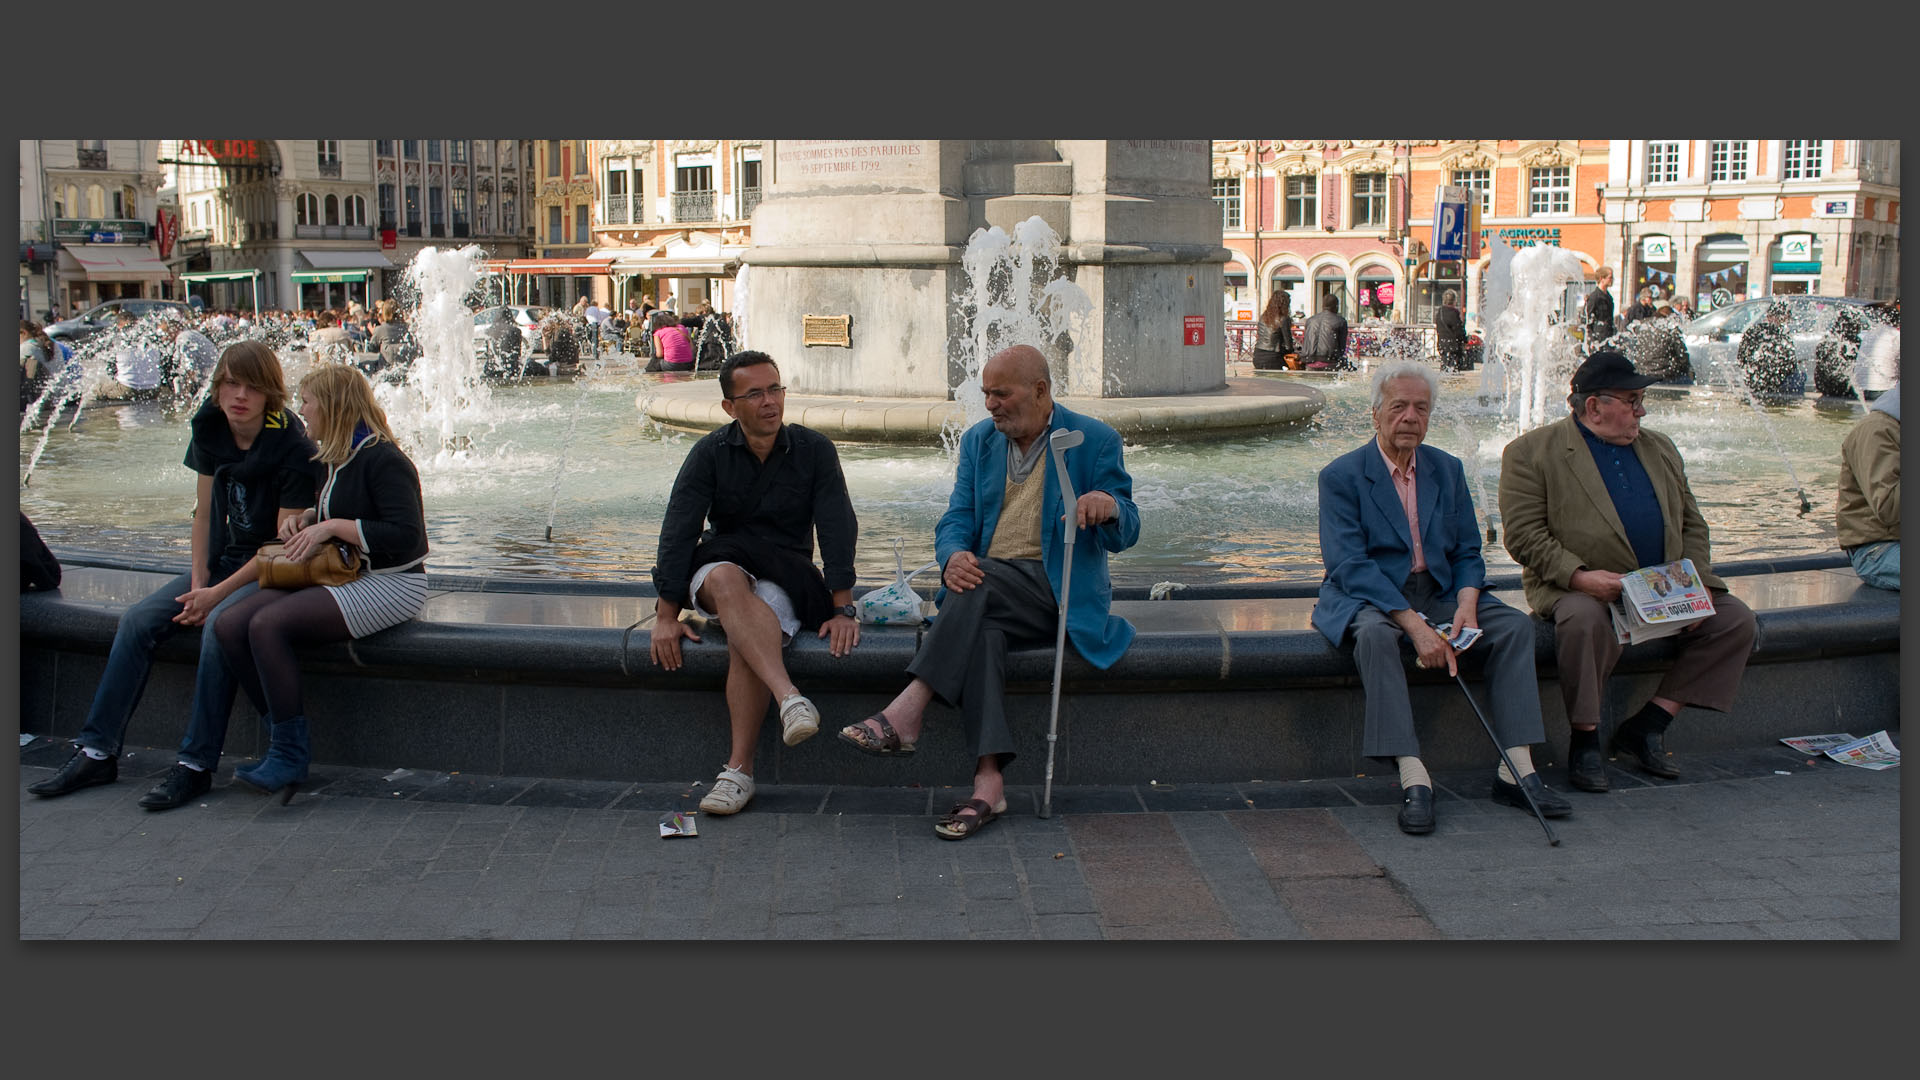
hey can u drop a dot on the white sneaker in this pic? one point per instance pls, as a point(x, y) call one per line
point(731, 791)
point(798, 720)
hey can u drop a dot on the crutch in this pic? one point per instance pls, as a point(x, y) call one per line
point(1059, 442)
point(1528, 795)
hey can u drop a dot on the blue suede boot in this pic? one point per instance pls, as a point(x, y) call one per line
point(285, 766)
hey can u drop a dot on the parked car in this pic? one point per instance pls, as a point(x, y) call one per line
point(101, 316)
point(526, 317)
point(521, 329)
point(1713, 339)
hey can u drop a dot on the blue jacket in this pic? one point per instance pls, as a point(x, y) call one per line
point(1365, 543)
point(979, 488)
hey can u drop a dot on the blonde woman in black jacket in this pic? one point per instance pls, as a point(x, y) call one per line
point(370, 498)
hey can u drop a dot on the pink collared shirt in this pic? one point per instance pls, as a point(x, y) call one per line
point(1403, 483)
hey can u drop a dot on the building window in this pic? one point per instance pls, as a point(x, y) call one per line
point(580, 165)
point(617, 203)
point(433, 149)
point(306, 209)
point(356, 210)
point(749, 186)
point(383, 147)
point(413, 210)
point(1480, 180)
point(1727, 161)
point(1302, 203)
point(1550, 191)
point(327, 151)
point(507, 222)
point(555, 229)
point(436, 211)
point(693, 193)
point(1663, 162)
point(553, 157)
point(387, 216)
point(410, 148)
point(333, 209)
point(458, 197)
point(96, 201)
point(457, 151)
point(1800, 159)
point(1369, 200)
point(1226, 195)
point(581, 224)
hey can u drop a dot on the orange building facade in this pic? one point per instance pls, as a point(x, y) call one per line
point(1725, 220)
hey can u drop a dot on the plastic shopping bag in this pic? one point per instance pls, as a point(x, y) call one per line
point(896, 604)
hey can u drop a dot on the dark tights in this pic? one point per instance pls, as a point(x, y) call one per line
point(261, 635)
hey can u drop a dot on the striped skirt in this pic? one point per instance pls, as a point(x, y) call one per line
point(373, 602)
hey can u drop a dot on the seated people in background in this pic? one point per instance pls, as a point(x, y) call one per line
point(1399, 541)
point(672, 348)
point(1868, 513)
point(767, 487)
point(1326, 346)
point(1584, 501)
point(370, 498)
point(1000, 548)
point(255, 469)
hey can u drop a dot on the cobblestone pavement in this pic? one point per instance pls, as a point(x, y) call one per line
point(1759, 843)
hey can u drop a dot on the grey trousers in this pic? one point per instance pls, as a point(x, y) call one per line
point(963, 658)
point(1706, 674)
point(1504, 653)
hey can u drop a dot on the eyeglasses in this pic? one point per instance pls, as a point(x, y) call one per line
point(1635, 401)
point(755, 397)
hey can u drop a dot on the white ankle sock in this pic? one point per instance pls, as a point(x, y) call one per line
point(192, 766)
point(1522, 762)
point(94, 754)
point(1412, 772)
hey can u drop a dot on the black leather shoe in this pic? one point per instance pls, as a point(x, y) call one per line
point(1416, 813)
point(1647, 748)
point(182, 786)
point(1586, 768)
point(1549, 800)
point(80, 771)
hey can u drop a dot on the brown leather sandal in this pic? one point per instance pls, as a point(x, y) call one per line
point(959, 826)
point(888, 744)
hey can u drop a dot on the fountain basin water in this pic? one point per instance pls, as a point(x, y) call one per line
point(1236, 509)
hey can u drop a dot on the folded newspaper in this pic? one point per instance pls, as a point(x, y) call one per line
point(1876, 751)
point(1656, 601)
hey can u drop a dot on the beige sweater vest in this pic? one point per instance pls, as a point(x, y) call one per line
point(1017, 535)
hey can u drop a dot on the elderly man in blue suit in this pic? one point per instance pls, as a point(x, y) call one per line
point(1000, 546)
point(1402, 553)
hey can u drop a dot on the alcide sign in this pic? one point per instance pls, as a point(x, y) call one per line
point(223, 149)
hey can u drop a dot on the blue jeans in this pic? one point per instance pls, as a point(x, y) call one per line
point(1878, 564)
point(142, 628)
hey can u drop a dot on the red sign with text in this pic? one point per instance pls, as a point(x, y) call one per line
point(1195, 330)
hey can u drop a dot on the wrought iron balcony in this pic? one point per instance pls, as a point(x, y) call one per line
point(330, 168)
point(693, 206)
point(617, 209)
point(92, 159)
point(749, 198)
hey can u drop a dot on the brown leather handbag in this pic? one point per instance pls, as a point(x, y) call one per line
point(336, 562)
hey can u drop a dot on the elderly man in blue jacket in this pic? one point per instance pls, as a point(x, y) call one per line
point(1000, 547)
point(1402, 553)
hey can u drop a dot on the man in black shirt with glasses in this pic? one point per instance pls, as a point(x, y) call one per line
point(766, 487)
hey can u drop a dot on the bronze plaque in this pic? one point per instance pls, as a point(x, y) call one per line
point(826, 330)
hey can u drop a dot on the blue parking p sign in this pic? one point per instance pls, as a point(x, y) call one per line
point(1450, 222)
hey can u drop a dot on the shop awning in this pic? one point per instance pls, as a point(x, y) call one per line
point(346, 260)
point(218, 275)
point(659, 268)
point(117, 262)
point(560, 266)
point(308, 277)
